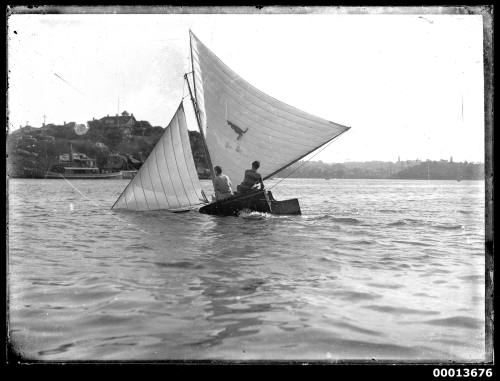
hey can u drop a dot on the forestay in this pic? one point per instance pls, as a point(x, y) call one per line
point(168, 178)
point(243, 124)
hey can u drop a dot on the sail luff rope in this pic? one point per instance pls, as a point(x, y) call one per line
point(192, 68)
point(195, 106)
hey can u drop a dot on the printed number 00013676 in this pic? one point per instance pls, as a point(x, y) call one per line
point(462, 372)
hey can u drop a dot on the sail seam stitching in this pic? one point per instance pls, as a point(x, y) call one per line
point(168, 169)
point(175, 158)
point(161, 179)
point(143, 192)
point(153, 187)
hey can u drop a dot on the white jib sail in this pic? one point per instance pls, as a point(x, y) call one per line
point(168, 178)
point(243, 124)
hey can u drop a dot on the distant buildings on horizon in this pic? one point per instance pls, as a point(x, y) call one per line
point(123, 120)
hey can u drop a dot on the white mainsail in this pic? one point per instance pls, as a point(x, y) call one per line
point(242, 124)
point(168, 178)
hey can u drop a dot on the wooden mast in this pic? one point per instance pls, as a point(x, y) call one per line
point(197, 111)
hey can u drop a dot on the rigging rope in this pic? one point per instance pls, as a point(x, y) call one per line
point(184, 79)
point(303, 163)
point(112, 215)
point(183, 87)
point(70, 85)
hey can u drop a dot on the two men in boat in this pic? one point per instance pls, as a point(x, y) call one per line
point(222, 184)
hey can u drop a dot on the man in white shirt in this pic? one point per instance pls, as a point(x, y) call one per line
point(222, 185)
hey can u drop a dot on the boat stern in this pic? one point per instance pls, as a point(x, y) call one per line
point(259, 201)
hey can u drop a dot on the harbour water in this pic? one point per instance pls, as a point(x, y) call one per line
point(372, 269)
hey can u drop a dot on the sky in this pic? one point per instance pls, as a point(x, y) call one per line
point(409, 85)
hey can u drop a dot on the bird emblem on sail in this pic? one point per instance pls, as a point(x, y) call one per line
point(237, 129)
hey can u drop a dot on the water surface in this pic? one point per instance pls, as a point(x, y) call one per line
point(372, 269)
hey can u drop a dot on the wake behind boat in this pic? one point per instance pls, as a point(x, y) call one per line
point(238, 125)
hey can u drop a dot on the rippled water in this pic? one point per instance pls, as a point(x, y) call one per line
point(372, 269)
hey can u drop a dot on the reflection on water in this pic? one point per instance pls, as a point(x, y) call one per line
point(225, 286)
point(364, 273)
point(224, 309)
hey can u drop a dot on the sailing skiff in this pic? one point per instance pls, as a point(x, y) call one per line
point(238, 125)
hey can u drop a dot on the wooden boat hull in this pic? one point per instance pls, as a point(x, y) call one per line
point(254, 201)
point(96, 176)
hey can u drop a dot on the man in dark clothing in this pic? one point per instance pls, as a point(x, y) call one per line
point(252, 178)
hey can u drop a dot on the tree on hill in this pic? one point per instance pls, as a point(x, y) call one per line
point(142, 128)
point(65, 131)
point(112, 137)
point(96, 131)
point(158, 130)
point(442, 170)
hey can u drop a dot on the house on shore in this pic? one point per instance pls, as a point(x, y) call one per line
point(76, 159)
point(125, 122)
